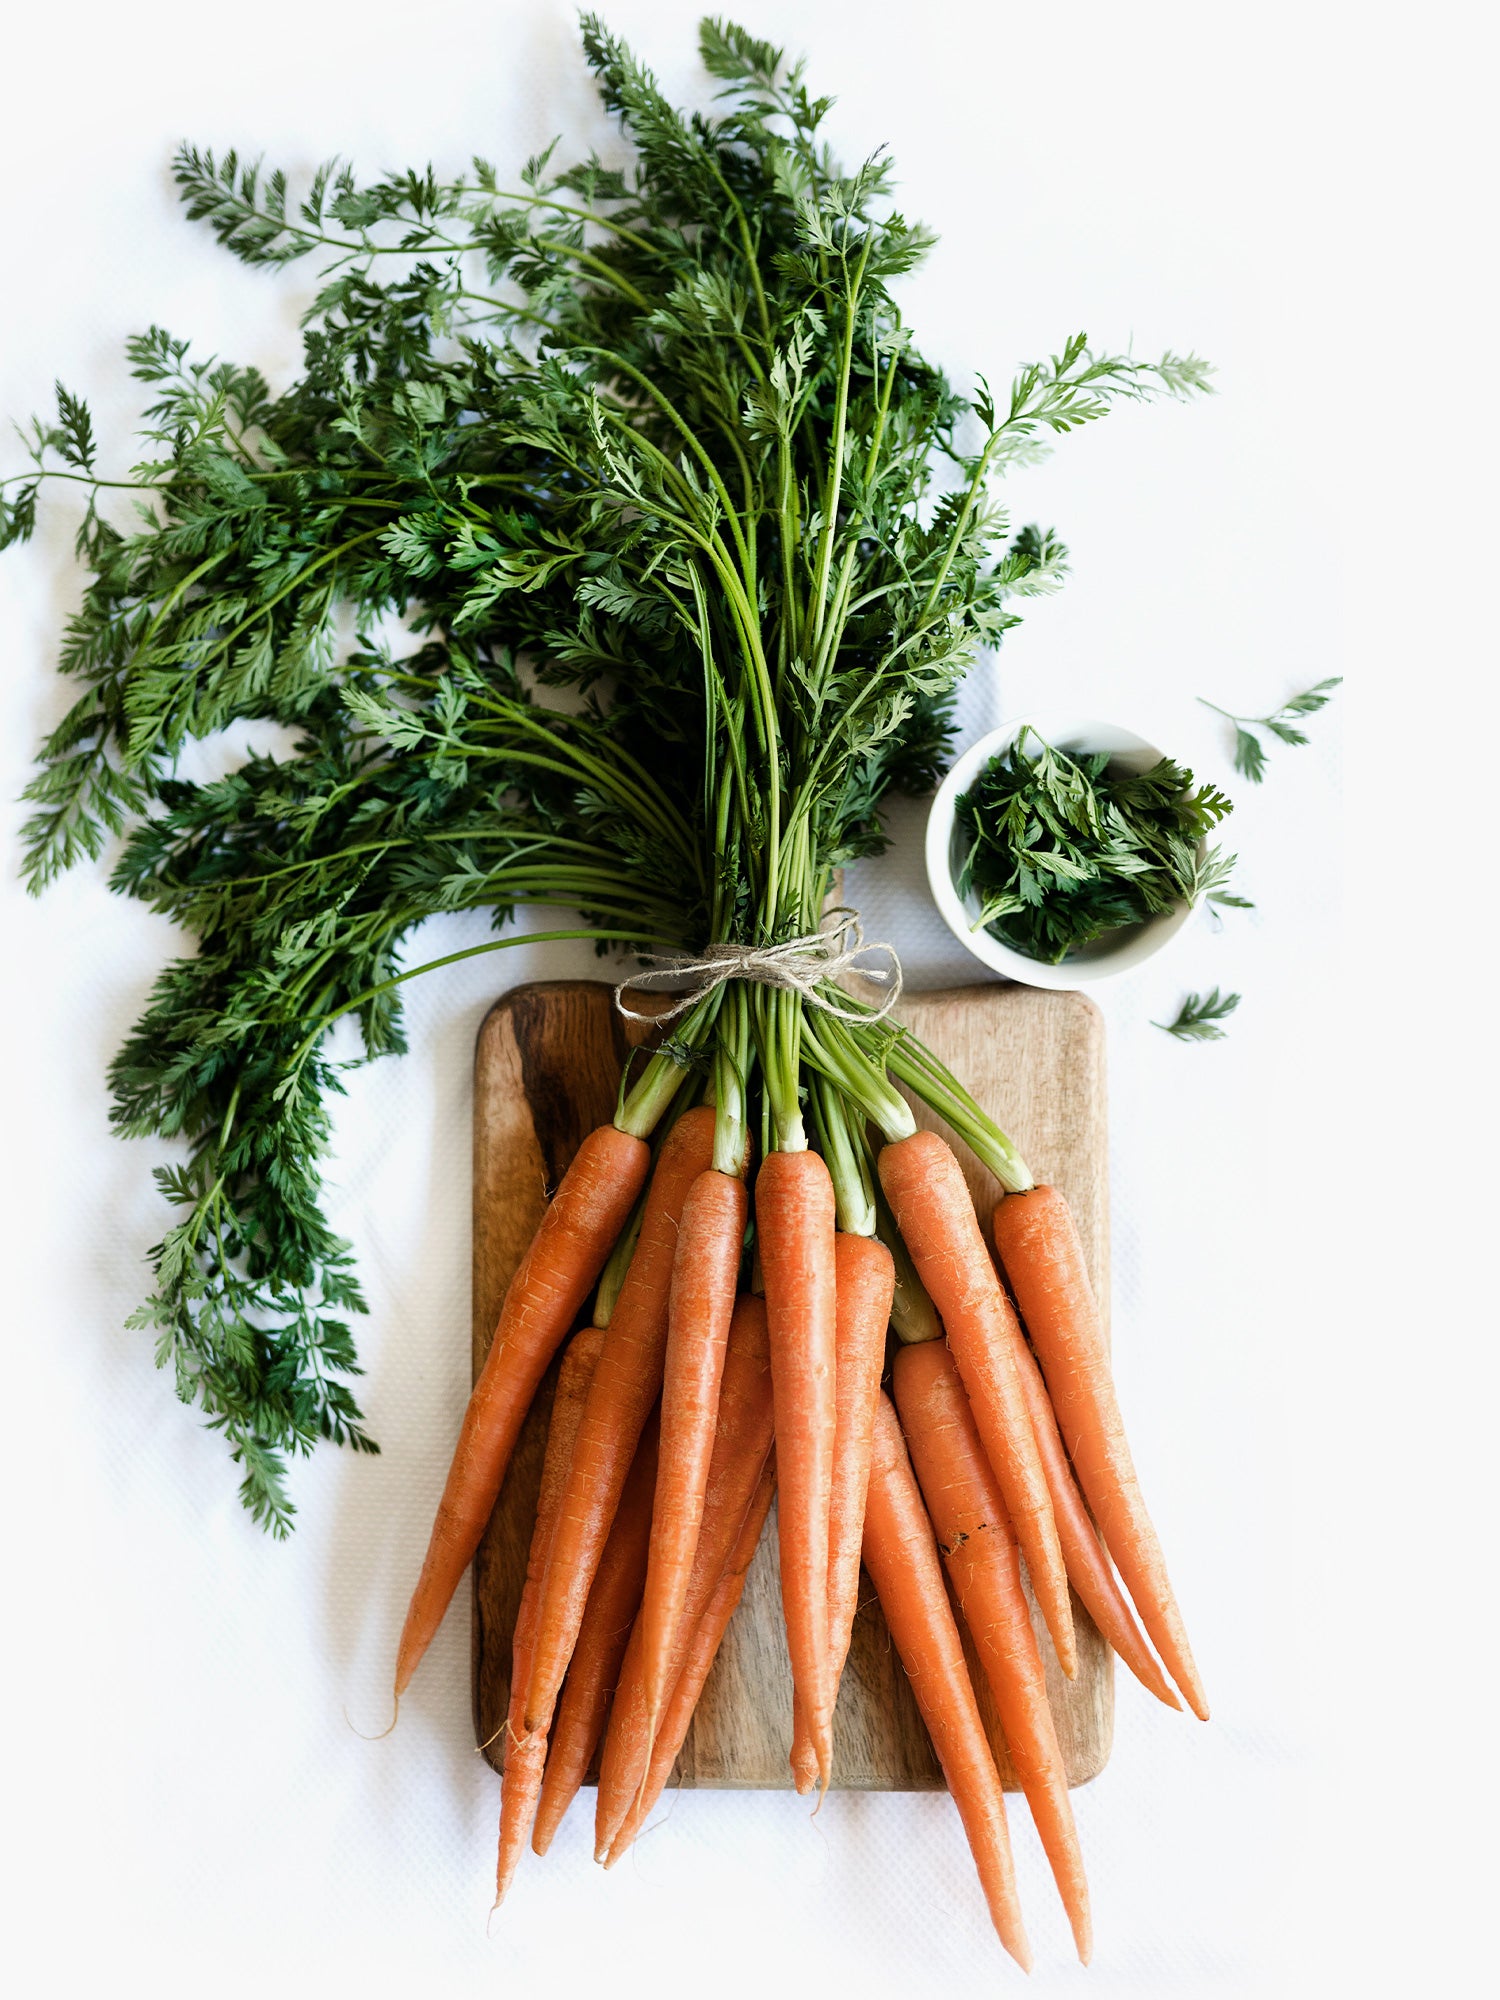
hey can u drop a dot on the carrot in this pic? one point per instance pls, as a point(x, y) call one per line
point(704, 1277)
point(866, 1277)
point(1043, 1259)
point(794, 1218)
point(625, 1385)
point(902, 1559)
point(1089, 1569)
point(926, 1189)
point(602, 1638)
point(521, 1774)
point(744, 1439)
point(980, 1552)
point(566, 1255)
point(702, 1650)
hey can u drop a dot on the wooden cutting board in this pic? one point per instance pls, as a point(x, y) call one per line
point(546, 1070)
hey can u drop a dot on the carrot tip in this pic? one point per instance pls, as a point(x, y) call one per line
point(380, 1734)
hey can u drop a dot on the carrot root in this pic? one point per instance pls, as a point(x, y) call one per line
point(866, 1281)
point(704, 1276)
point(625, 1385)
point(903, 1562)
point(576, 1235)
point(983, 1561)
point(1089, 1568)
point(1042, 1257)
point(521, 1771)
point(930, 1198)
point(740, 1450)
point(702, 1650)
point(602, 1638)
point(794, 1216)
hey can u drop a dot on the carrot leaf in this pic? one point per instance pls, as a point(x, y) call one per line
point(1199, 1016)
point(614, 547)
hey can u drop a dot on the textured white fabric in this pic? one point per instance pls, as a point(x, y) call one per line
point(190, 1805)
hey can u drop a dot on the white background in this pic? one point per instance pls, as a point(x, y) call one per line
point(1300, 192)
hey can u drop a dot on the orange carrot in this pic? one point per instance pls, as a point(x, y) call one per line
point(521, 1774)
point(866, 1286)
point(602, 1638)
point(926, 1188)
point(704, 1278)
point(702, 1650)
point(794, 1218)
point(625, 1385)
point(902, 1559)
point(566, 1255)
point(983, 1560)
point(1043, 1259)
point(1089, 1569)
point(744, 1439)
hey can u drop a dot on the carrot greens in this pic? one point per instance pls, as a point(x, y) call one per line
point(1249, 750)
point(663, 548)
point(1064, 849)
point(1199, 1016)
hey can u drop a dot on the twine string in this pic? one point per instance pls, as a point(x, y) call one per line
point(805, 965)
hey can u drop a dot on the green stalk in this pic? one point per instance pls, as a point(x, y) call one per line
point(731, 1065)
point(612, 1277)
point(913, 1314)
point(940, 1091)
point(845, 1156)
point(836, 453)
point(642, 1108)
point(782, 1030)
point(832, 1051)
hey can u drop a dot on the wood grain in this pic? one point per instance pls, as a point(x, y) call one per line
point(546, 1070)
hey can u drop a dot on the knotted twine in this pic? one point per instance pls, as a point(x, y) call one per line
point(804, 965)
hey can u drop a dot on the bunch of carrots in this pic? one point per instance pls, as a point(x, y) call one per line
point(738, 1347)
point(656, 436)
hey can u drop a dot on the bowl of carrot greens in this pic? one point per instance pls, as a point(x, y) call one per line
point(1063, 851)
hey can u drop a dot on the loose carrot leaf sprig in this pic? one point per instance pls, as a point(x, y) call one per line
point(1199, 1016)
point(656, 437)
point(1249, 751)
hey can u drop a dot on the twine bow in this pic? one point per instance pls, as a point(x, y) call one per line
point(805, 965)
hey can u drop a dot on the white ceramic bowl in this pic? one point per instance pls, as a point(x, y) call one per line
point(1119, 952)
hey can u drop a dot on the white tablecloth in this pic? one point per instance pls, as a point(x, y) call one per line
point(191, 1802)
